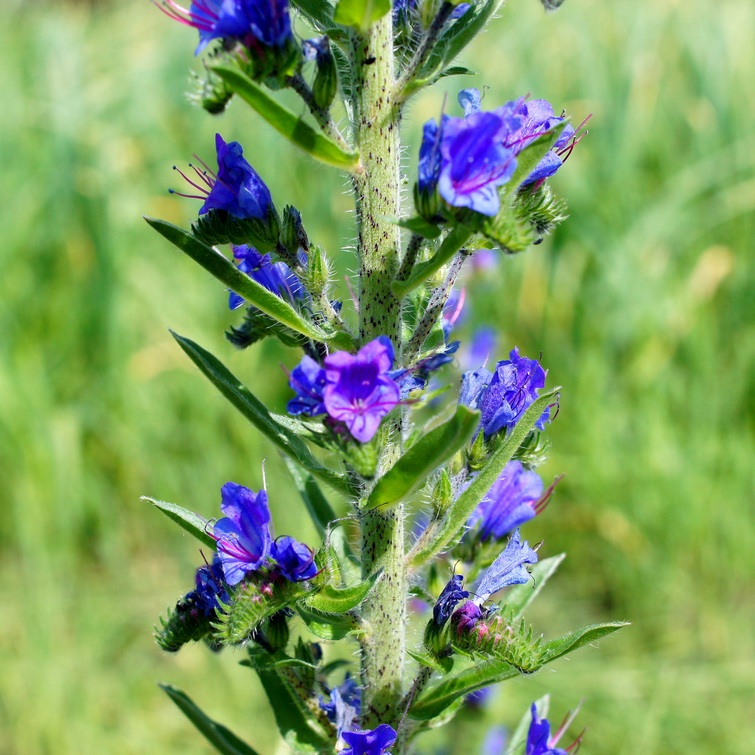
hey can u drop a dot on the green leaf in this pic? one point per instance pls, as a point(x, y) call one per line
point(459, 511)
point(438, 696)
point(520, 596)
point(425, 270)
point(256, 412)
point(328, 626)
point(431, 451)
point(227, 273)
point(439, 665)
point(221, 738)
point(290, 125)
point(319, 12)
point(317, 505)
point(360, 13)
point(331, 599)
point(563, 645)
point(191, 522)
point(457, 71)
point(420, 226)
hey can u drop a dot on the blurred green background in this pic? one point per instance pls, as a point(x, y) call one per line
point(641, 303)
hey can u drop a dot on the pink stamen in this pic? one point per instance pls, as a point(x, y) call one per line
point(544, 500)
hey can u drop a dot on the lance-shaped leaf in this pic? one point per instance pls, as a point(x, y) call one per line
point(328, 626)
point(256, 412)
point(360, 13)
point(318, 12)
point(563, 645)
point(425, 270)
point(319, 509)
point(330, 599)
point(420, 226)
point(227, 273)
point(221, 738)
point(431, 451)
point(443, 533)
point(290, 125)
point(520, 596)
point(193, 523)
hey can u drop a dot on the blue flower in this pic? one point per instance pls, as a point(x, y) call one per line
point(495, 741)
point(274, 276)
point(372, 742)
point(358, 391)
point(243, 534)
point(211, 588)
point(428, 170)
point(251, 22)
point(508, 569)
point(295, 560)
point(237, 188)
point(539, 739)
point(451, 594)
point(308, 382)
point(505, 395)
point(513, 499)
point(344, 706)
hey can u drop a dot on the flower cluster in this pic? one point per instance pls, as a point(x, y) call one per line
point(354, 389)
point(245, 543)
point(467, 159)
point(274, 276)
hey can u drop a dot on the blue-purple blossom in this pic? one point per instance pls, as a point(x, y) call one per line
point(539, 739)
point(358, 390)
point(451, 594)
point(237, 188)
point(307, 380)
point(508, 569)
point(211, 588)
point(428, 170)
point(465, 617)
point(344, 706)
point(276, 277)
point(251, 22)
point(295, 560)
point(505, 395)
point(511, 501)
point(243, 534)
point(372, 742)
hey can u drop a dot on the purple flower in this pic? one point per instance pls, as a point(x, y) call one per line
point(373, 742)
point(237, 188)
point(513, 499)
point(211, 590)
point(358, 390)
point(428, 170)
point(295, 560)
point(465, 618)
point(344, 706)
point(453, 311)
point(508, 569)
point(451, 594)
point(537, 118)
point(539, 739)
point(274, 276)
point(243, 534)
point(308, 382)
point(251, 22)
point(504, 395)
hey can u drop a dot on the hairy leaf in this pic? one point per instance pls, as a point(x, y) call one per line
point(193, 523)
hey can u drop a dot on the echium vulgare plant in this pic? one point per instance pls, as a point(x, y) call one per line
point(361, 423)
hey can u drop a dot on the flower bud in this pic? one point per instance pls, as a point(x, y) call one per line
point(292, 234)
point(276, 630)
point(325, 85)
point(442, 495)
point(318, 271)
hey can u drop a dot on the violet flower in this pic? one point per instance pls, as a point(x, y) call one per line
point(243, 534)
point(508, 569)
point(451, 594)
point(211, 588)
point(372, 742)
point(513, 499)
point(358, 390)
point(295, 560)
point(344, 706)
point(307, 380)
point(539, 739)
point(276, 277)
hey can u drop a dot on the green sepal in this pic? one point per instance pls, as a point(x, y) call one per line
point(183, 624)
point(220, 227)
point(328, 626)
point(360, 14)
point(290, 125)
point(227, 273)
point(193, 523)
point(432, 450)
point(330, 599)
point(459, 511)
point(297, 725)
point(520, 596)
point(454, 241)
point(256, 412)
point(221, 738)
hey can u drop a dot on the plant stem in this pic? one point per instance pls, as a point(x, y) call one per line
point(377, 196)
point(321, 115)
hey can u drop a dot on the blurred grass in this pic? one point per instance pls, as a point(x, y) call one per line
point(641, 304)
